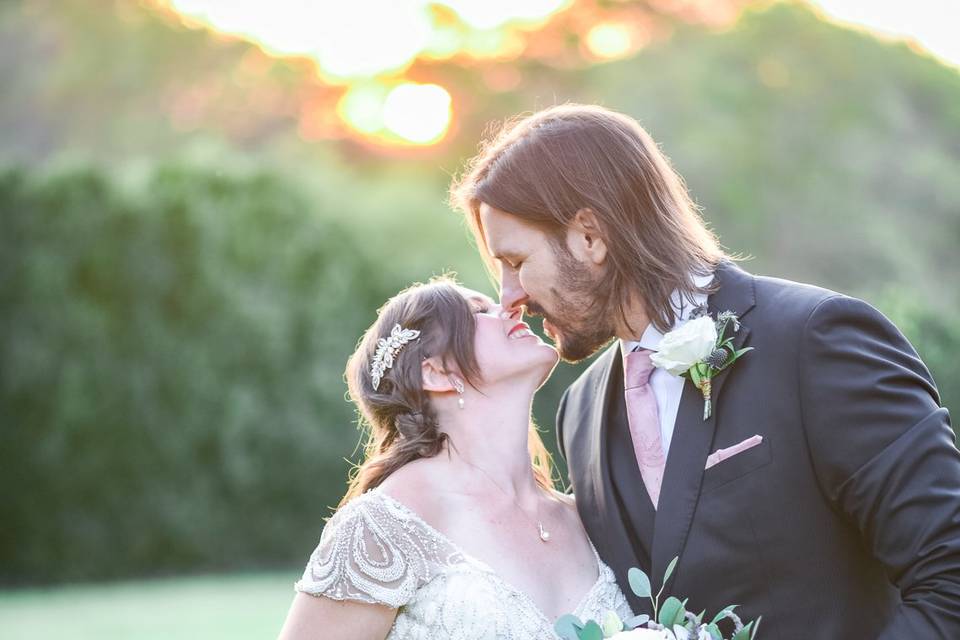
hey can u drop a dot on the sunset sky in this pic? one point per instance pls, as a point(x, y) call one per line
point(368, 57)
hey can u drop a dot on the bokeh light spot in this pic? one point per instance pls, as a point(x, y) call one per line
point(361, 107)
point(610, 40)
point(419, 113)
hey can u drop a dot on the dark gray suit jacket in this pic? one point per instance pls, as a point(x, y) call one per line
point(843, 523)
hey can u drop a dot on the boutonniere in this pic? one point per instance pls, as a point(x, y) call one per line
point(699, 350)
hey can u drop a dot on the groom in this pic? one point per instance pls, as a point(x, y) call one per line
point(822, 491)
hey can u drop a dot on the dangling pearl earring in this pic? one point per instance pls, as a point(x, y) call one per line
point(459, 387)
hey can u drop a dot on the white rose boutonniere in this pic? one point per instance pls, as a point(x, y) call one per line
point(685, 347)
point(698, 350)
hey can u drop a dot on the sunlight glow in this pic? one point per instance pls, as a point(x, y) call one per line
point(407, 113)
point(610, 40)
point(340, 36)
point(490, 14)
point(367, 46)
point(366, 38)
point(419, 113)
point(361, 107)
point(933, 25)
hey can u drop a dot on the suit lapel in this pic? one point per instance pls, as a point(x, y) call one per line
point(598, 476)
point(692, 435)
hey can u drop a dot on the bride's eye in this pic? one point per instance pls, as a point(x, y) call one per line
point(480, 308)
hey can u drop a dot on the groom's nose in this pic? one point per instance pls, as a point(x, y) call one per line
point(512, 295)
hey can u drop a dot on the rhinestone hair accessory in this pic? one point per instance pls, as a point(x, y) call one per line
point(387, 350)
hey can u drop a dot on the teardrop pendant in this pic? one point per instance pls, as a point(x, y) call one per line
point(544, 534)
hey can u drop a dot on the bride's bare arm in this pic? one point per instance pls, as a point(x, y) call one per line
point(315, 617)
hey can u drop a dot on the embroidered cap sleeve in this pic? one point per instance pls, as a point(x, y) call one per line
point(371, 551)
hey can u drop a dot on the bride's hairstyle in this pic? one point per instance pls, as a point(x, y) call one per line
point(547, 166)
point(401, 423)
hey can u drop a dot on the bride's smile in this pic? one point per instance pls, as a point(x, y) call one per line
point(507, 349)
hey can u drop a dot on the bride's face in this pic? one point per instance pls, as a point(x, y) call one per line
point(507, 349)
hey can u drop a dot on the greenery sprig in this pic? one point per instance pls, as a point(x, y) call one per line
point(672, 619)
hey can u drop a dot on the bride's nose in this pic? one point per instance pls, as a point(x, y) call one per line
point(507, 314)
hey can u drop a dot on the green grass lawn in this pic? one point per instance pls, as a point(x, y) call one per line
point(233, 607)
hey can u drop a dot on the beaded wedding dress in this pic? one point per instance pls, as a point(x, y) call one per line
point(377, 550)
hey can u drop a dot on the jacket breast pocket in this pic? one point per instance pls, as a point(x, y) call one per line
point(736, 466)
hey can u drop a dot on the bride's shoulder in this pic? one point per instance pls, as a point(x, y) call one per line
point(415, 485)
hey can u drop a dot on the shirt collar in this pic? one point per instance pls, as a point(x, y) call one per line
point(652, 336)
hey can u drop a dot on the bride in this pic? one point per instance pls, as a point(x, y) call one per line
point(451, 528)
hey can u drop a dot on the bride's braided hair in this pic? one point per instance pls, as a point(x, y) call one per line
point(401, 422)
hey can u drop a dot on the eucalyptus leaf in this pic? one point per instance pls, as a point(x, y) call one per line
point(756, 625)
point(568, 626)
point(670, 568)
point(636, 621)
point(743, 634)
point(639, 583)
point(591, 631)
point(671, 612)
point(611, 624)
point(714, 631)
point(695, 375)
point(723, 613)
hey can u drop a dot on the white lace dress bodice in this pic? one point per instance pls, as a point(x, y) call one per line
point(377, 550)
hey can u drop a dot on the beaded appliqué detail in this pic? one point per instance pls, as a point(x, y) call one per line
point(377, 550)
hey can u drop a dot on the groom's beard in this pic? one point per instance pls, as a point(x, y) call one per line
point(576, 342)
point(580, 324)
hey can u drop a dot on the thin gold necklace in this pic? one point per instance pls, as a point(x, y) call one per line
point(544, 534)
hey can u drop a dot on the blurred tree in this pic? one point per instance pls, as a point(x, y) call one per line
point(173, 358)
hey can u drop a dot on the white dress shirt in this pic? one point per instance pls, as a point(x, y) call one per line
point(667, 387)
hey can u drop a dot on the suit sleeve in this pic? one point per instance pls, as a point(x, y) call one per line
point(884, 455)
point(559, 423)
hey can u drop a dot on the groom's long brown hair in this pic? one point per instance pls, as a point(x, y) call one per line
point(547, 166)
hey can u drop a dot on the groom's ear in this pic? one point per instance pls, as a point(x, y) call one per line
point(585, 239)
point(435, 377)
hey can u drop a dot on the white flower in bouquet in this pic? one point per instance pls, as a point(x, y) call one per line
point(670, 621)
point(643, 634)
point(686, 346)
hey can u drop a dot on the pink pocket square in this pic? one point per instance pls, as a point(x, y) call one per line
point(720, 455)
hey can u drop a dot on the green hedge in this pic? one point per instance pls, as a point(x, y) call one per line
point(172, 372)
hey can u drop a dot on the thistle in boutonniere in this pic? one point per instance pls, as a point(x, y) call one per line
point(699, 350)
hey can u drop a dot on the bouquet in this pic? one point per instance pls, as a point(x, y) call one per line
point(671, 621)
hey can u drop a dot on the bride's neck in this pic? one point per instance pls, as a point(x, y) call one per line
point(490, 435)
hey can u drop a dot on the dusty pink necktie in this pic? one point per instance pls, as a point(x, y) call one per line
point(644, 419)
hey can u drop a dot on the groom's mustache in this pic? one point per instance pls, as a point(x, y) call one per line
point(534, 309)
